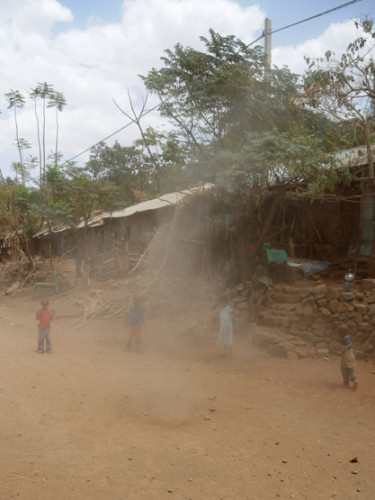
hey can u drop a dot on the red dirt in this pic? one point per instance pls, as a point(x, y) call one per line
point(178, 421)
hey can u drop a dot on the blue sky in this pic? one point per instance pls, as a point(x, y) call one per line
point(285, 12)
point(281, 13)
point(93, 51)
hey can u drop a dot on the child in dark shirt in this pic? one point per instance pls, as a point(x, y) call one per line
point(135, 322)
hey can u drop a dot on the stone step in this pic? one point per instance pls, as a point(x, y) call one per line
point(299, 287)
point(281, 344)
point(281, 307)
point(286, 298)
point(297, 310)
point(271, 320)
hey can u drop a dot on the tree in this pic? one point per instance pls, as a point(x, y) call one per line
point(16, 101)
point(57, 101)
point(34, 94)
point(163, 159)
point(117, 164)
point(87, 196)
point(42, 91)
point(208, 94)
point(22, 168)
point(243, 129)
point(71, 197)
point(225, 111)
point(19, 219)
point(344, 88)
point(161, 155)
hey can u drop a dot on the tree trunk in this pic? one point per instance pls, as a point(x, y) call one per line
point(275, 204)
point(370, 158)
point(367, 198)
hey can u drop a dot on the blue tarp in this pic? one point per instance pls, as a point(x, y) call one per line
point(313, 266)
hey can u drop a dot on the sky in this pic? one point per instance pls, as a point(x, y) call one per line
point(93, 51)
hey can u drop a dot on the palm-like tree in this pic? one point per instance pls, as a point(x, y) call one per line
point(34, 94)
point(58, 101)
point(42, 91)
point(16, 101)
point(22, 167)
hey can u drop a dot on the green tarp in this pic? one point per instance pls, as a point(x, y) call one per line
point(274, 255)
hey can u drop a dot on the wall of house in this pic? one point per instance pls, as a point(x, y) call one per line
point(322, 230)
point(141, 227)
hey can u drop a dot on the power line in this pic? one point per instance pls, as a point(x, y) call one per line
point(248, 45)
point(305, 20)
point(108, 136)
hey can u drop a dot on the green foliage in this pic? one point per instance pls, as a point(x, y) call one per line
point(17, 209)
point(240, 125)
point(153, 165)
point(73, 196)
point(50, 98)
point(15, 99)
point(216, 97)
point(233, 124)
point(344, 87)
point(118, 165)
point(279, 158)
point(88, 196)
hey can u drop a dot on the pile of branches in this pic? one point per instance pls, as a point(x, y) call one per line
point(15, 274)
point(159, 277)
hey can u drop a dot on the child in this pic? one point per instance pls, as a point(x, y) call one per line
point(45, 316)
point(348, 362)
point(135, 321)
point(226, 330)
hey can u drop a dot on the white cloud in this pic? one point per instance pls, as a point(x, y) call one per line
point(335, 38)
point(27, 16)
point(93, 65)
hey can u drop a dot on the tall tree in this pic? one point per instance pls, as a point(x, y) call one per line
point(117, 164)
point(345, 87)
point(223, 108)
point(34, 94)
point(21, 168)
point(57, 101)
point(16, 101)
point(43, 91)
point(208, 94)
point(19, 218)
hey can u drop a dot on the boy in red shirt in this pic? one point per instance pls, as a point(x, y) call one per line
point(45, 316)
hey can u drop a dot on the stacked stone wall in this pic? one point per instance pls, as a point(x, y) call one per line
point(301, 320)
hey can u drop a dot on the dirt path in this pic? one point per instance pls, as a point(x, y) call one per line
point(94, 422)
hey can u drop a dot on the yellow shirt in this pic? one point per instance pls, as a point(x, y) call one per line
point(348, 357)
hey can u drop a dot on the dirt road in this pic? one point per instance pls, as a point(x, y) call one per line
point(177, 422)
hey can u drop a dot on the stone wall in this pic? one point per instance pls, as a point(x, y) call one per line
point(300, 320)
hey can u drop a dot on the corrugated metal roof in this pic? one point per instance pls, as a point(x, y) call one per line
point(354, 157)
point(45, 230)
point(165, 200)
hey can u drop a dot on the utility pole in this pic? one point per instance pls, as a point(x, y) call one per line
point(267, 43)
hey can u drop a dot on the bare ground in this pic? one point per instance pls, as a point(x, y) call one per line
point(176, 422)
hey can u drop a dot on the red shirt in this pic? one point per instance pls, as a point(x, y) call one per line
point(45, 316)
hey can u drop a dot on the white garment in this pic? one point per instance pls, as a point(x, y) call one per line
point(226, 326)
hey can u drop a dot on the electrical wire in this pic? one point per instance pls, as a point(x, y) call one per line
point(304, 20)
point(248, 45)
point(108, 137)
